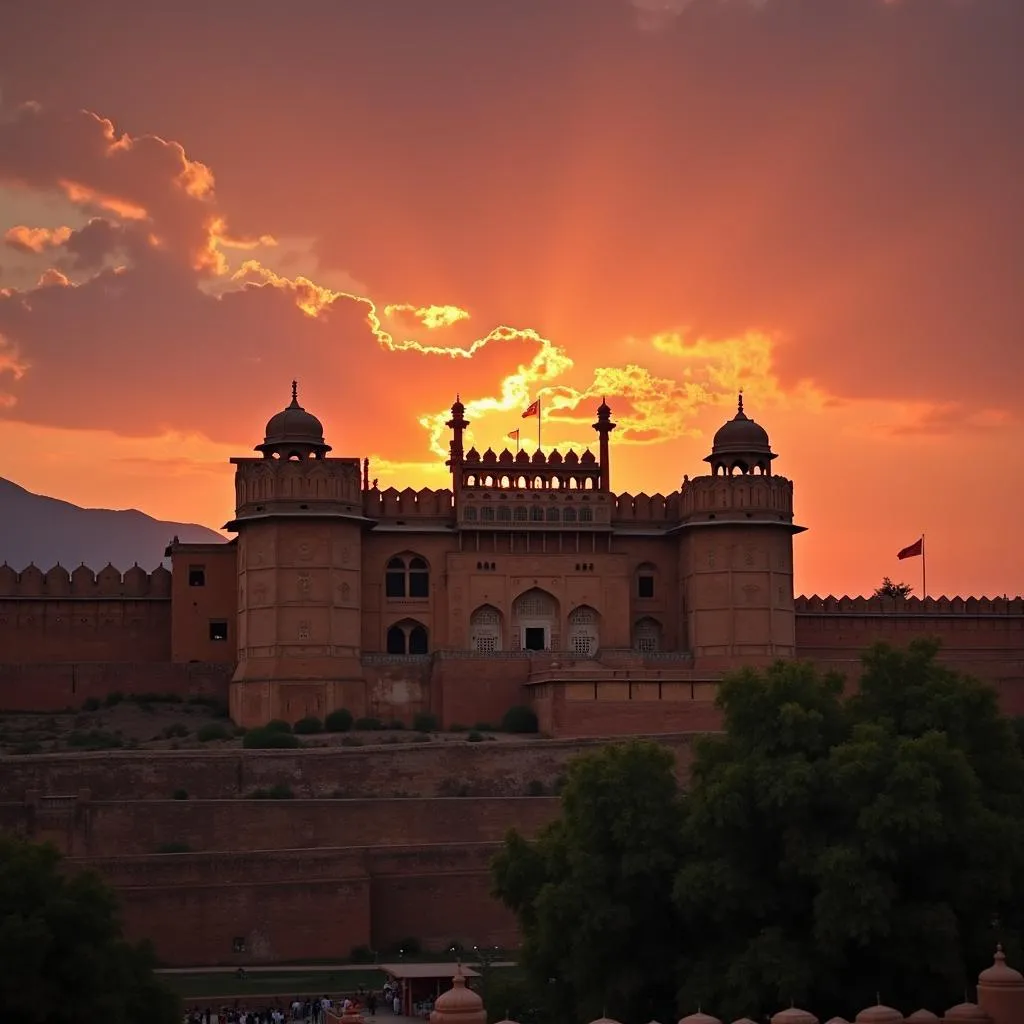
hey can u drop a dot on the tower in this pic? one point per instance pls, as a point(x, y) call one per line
point(736, 552)
point(604, 427)
point(299, 520)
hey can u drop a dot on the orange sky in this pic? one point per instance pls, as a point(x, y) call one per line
point(658, 202)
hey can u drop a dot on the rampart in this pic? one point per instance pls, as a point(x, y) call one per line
point(504, 768)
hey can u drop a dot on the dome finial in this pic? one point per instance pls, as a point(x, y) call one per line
point(739, 404)
point(295, 393)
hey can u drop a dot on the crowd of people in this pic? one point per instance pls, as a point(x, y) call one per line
point(307, 1009)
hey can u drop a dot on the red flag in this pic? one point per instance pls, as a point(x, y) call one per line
point(915, 549)
point(532, 410)
point(514, 434)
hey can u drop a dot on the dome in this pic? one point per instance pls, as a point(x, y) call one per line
point(741, 435)
point(923, 1017)
point(794, 1016)
point(459, 999)
point(999, 973)
point(293, 431)
point(837, 1020)
point(700, 1018)
point(879, 1015)
point(970, 1013)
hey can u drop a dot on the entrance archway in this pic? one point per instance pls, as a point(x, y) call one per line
point(535, 621)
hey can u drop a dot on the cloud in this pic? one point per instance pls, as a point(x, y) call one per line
point(35, 240)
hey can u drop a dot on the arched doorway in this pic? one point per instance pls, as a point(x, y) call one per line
point(583, 631)
point(535, 621)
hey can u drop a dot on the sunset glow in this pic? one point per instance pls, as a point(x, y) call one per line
point(817, 203)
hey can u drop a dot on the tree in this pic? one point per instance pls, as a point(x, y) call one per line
point(838, 849)
point(900, 591)
point(592, 891)
point(63, 954)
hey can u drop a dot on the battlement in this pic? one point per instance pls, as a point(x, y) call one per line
point(391, 503)
point(83, 583)
point(889, 606)
point(531, 471)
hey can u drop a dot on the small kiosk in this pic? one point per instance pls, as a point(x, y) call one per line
point(420, 984)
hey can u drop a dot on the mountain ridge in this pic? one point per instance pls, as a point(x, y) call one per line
point(38, 529)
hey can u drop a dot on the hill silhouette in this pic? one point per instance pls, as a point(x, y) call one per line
point(36, 529)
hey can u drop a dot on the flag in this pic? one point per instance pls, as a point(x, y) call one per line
point(532, 410)
point(915, 549)
point(514, 434)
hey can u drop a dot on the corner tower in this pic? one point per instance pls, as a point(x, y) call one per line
point(299, 520)
point(736, 552)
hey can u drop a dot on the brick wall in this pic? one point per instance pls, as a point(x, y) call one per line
point(126, 828)
point(43, 687)
point(501, 768)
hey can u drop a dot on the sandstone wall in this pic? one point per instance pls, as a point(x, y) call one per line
point(53, 687)
point(438, 768)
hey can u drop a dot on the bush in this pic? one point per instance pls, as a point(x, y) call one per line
point(31, 747)
point(368, 724)
point(174, 848)
point(176, 729)
point(519, 719)
point(473, 737)
point(212, 731)
point(351, 741)
point(278, 725)
point(397, 724)
point(113, 698)
point(423, 721)
point(267, 739)
point(91, 704)
point(180, 794)
point(361, 955)
point(215, 704)
point(308, 725)
point(95, 739)
point(338, 721)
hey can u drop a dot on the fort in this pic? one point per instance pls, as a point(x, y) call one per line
point(528, 582)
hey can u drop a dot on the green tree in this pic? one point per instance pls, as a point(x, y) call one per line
point(900, 591)
point(838, 849)
point(600, 934)
point(63, 953)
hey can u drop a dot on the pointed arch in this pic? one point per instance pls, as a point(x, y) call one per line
point(485, 629)
point(407, 636)
point(535, 621)
point(647, 634)
point(584, 631)
point(407, 575)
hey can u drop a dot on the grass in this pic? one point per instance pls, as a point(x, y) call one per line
point(284, 983)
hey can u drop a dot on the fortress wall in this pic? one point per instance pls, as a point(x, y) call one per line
point(500, 768)
point(300, 905)
point(131, 828)
point(57, 687)
point(49, 630)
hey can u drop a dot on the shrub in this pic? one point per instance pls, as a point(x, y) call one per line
point(535, 788)
point(473, 737)
point(91, 704)
point(215, 704)
point(368, 724)
point(31, 747)
point(308, 725)
point(278, 725)
point(424, 721)
point(174, 848)
point(339, 720)
point(361, 955)
point(212, 731)
point(409, 946)
point(113, 698)
point(240, 730)
point(95, 739)
point(180, 794)
point(519, 719)
point(396, 723)
point(267, 739)
point(175, 729)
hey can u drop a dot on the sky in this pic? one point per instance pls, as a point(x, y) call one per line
point(655, 201)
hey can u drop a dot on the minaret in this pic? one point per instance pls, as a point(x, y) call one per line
point(457, 425)
point(604, 427)
point(299, 520)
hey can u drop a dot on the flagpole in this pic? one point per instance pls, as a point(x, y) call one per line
point(538, 420)
point(924, 571)
point(517, 442)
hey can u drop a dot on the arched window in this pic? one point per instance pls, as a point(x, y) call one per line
point(407, 576)
point(418, 643)
point(396, 640)
point(519, 514)
point(487, 514)
point(569, 515)
point(647, 635)
point(553, 515)
point(586, 515)
point(408, 637)
point(583, 634)
point(536, 514)
point(535, 621)
point(485, 630)
point(470, 514)
point(504, 514)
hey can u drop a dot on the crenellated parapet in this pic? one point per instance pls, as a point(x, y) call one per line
point(264, 481)
point(531, 471)
point(391, 503)
point(815, 605)
point(747, 495)
point(84, 583)
point(646, 508)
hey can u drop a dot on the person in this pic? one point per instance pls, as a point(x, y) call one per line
point(396, 1004)
point(371, 1004)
